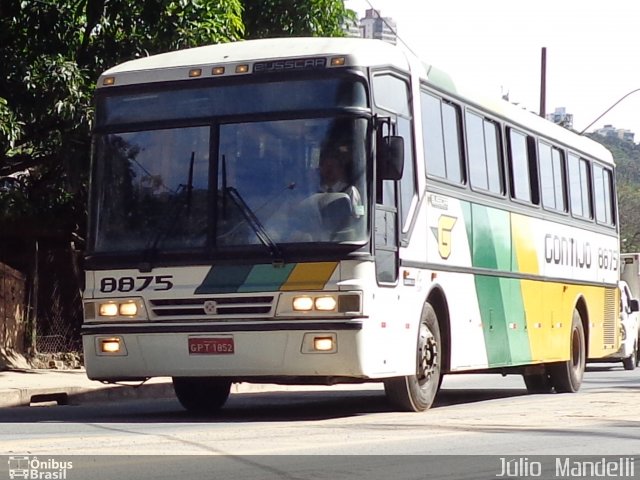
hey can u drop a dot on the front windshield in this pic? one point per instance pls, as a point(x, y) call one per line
point(215, 186)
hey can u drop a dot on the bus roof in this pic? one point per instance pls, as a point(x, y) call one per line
point(178, 65)
point(362, 52)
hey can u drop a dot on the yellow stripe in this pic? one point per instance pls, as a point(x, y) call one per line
point(310, 276)
point(523, 242)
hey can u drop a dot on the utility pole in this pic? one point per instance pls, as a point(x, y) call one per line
point(543, 83)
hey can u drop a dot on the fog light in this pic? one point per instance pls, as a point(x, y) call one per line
point(108, 309)
point(323, 344)
point(110, 345)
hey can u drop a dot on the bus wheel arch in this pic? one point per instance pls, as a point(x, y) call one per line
point(581, 307)
point(438, 301)
point(566, 376)
point(417, 392)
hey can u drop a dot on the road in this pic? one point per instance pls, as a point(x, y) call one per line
point(474, 415)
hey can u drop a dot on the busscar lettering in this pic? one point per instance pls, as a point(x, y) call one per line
point(291, 64)
point(569, 252)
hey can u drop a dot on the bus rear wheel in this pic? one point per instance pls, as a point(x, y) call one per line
point(567, 376)
point(538, 382)
point(416, 393)
point(201, 395)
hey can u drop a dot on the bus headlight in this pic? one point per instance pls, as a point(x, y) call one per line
point(115, 309)
point(302, 304)
point(108, 310)
point(325, 304)
point(320, 304)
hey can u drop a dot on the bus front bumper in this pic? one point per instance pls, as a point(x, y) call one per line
point(310, 350)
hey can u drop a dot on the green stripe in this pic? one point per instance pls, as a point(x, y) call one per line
point(499, 299)
point(267, 278)
point(224, 279)
point(490, 301)
point(518, 338)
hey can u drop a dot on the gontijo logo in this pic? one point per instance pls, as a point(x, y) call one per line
point(36, 469)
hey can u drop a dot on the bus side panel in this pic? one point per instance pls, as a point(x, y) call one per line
point(525, 317)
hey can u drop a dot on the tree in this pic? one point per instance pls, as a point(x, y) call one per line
point(286, 18)
point(627, 158)
point(52, 53)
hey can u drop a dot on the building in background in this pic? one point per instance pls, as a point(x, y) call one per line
point(373, 25)
point(612, 132)
point(561, 117)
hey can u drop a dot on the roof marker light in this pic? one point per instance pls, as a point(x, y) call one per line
point(338, 61)
point(244, 68)
point(195, 72)
point(217, 71)
point(107, 81)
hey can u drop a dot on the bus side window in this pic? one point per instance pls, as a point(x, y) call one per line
point(391, 95)
point(602, 189)
point(552, 177)
point(580, 187)
point(483, 152)
point(523, 179)
point(441, 138)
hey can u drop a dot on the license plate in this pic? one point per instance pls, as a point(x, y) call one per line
point(211, 346)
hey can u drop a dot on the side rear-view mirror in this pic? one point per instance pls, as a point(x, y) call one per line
point(634, 305)
point(391, 158)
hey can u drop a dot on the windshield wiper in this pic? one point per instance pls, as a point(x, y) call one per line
point(150, 252)
point(256, 224)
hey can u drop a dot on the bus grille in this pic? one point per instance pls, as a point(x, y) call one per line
point(250, 306)
point(610, 314)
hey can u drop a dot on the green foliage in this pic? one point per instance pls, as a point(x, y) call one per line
point(286, 18)
point(627, 157)
point(51, 54)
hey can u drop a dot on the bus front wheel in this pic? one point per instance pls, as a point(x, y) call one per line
point(416, 393)
point(201, 395)
point(631, 362)
point(567, 376)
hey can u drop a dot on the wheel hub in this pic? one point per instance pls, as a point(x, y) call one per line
point(427, 355)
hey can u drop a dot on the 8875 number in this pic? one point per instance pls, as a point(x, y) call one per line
point(136, 284)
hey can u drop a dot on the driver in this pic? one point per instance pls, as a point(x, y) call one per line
point(334, 176)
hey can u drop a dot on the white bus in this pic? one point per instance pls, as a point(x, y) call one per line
point(318, 211)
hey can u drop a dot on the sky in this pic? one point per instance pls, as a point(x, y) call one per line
point(494, 47)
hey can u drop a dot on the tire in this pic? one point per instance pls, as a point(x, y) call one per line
point(201, 395)
point(538, 382)
point(566, 377)
point(416, 393)
point(631, 361)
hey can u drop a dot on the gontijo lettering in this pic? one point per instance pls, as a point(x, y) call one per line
point(567, 251)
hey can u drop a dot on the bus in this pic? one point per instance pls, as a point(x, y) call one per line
point(466, 235)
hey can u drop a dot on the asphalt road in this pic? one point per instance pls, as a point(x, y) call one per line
point(336, 432)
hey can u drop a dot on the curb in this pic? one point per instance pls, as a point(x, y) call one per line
point(104, 393)
point(24, 397)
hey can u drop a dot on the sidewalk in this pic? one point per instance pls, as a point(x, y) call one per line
point(23, 387)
